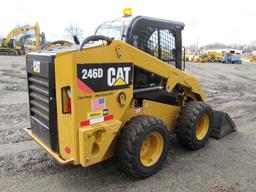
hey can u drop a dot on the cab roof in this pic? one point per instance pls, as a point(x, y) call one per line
point(163, 21)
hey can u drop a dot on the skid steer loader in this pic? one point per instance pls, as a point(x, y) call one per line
point(120, 93)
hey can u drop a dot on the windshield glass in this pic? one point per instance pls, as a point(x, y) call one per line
point(114, 29)
point(111, 29)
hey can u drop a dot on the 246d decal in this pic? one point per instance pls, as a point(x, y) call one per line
point(104, 77)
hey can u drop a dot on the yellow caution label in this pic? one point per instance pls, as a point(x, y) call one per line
point(36, 66)
point(95, 114)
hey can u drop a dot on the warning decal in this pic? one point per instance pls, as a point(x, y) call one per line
point(36, 66)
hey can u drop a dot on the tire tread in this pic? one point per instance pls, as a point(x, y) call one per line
point(126, 143)
point(186, 124)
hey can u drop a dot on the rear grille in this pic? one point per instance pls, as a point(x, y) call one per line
point(42, 98)
point(39, 98)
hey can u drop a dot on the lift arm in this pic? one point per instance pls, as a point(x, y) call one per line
point(173, 75)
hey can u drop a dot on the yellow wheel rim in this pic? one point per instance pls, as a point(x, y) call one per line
point(151, 149)
point(202, 127)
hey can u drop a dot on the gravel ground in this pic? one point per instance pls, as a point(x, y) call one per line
point(227, 165)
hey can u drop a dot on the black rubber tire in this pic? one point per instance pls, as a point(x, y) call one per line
point(188, 118)
point(129, 144)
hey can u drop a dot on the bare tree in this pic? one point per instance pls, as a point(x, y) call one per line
point(74, 30)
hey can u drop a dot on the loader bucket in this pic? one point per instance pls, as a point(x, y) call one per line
point(222, 124)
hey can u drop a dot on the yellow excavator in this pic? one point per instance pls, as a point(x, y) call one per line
point(12, 46)
point(120, 93)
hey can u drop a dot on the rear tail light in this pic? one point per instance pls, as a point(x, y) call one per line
point(66, 100)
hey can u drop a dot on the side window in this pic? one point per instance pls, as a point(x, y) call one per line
point(153, 44)
point(159, 43)
point(147, 41)
point(167, 46)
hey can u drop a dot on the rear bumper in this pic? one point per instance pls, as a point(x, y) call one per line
point(53, 154)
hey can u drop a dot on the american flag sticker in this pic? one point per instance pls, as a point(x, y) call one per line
point(98, 104)
point(137, 110)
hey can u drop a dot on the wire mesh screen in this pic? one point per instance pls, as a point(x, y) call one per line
point(140, 40)
point(167, 46)
point(159, 43)
point(153, 44)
